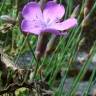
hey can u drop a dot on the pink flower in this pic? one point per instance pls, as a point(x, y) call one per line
point(37, 21)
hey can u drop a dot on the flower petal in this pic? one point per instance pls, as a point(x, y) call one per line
point(32, 11)
point(53, 12)
point(34, 27)
point(65, 25)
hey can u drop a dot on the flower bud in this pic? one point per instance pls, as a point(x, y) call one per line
point(86, 21)
point(88, 7)
point(42, 3)
point(52, 44)
point(75, 11)
point(7, 19)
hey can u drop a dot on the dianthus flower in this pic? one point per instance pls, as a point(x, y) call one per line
point(37, 21)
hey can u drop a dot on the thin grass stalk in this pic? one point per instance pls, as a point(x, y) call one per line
point(90, 83)
point(82, 72)
point(25, 40)
point(1, 8)
point(72, 55)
